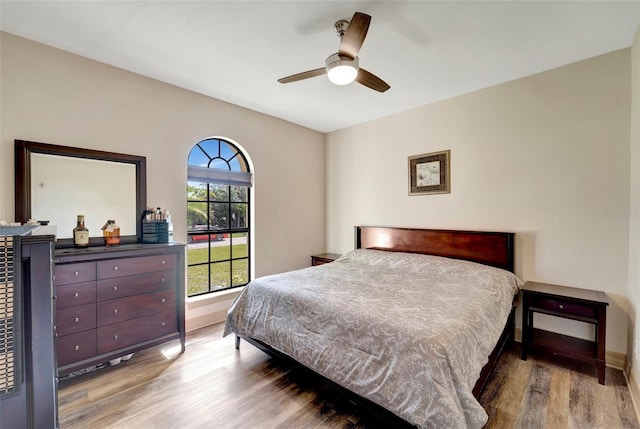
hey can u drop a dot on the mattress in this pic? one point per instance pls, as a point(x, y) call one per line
point(409, 332)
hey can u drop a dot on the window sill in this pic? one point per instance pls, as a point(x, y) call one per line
point(213, 298)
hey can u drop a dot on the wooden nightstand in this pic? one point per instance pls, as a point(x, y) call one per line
point(323, 258)
point(584, 305)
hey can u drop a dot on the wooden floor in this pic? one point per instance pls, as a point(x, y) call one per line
point(214, 386)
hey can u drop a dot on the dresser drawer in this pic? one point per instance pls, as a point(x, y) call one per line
point(129, 266)
point(75, 273)
point(76, 347)
point(133, 285)
point(75, 319)
point(75, 294)
point(123, 334)
point(562, 306)
point(118, 310)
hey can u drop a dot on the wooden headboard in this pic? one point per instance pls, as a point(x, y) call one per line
point(490, 248)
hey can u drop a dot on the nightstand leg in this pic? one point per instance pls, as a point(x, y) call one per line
point(237, 342)
point(601, 370)
point(526, 322)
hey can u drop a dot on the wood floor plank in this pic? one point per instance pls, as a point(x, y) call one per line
point(557, 416)
point(213, 385)
point(536, 397)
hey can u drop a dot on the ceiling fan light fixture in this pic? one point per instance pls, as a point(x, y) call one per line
point(342, 70)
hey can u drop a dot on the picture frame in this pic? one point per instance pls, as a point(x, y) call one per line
point(430, 173)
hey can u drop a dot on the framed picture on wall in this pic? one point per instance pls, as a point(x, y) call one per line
point(429, 173)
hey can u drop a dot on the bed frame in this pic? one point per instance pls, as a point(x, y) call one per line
point(490, 248)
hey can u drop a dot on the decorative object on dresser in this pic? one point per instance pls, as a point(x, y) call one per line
point(114, 301)
point(323, 258)
point(583, 305)
point(430, 173)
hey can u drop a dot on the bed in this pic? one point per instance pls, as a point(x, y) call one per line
point(410, 323)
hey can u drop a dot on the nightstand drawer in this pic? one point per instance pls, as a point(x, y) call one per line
point(562, 306)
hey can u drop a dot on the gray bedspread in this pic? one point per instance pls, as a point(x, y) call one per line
point(408, 332)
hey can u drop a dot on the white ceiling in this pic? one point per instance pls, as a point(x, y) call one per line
point(236, 50)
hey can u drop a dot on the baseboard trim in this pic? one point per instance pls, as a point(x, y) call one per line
point(206, 320)
point(634, 390)
point(614, 359)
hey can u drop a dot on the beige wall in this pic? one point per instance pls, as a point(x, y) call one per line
point(55, 97)
point(546, 157)
point(633, 350)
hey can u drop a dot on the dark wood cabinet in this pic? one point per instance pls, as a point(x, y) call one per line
point(324, 258)
point(115, 301)
point(583, 305)
point(28, 383)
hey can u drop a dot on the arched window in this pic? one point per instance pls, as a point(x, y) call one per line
point(218, 233)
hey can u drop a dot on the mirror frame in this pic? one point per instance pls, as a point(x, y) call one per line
point(23, 151)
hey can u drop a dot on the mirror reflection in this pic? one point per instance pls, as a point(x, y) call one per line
point(63, 187)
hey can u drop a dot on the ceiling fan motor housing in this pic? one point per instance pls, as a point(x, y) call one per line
point(342, 70)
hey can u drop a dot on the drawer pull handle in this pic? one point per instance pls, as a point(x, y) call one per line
point(163, 280)
point(560, 306)
point(115, 268)
point(163, 262)
point(77, 319)
point(115, 311)
point(163, 300)
point(76, 348)
point(115, 288)
point(115, 337)
point(164, 323)
point(75, 273)
point(75, 295)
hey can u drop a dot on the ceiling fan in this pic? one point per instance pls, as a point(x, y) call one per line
point(343, 67)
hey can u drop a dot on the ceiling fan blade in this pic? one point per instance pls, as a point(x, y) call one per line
point(304, 75)
point(371, 81)
point(354, 36)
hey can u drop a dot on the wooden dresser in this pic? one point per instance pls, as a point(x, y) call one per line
point(113, 301)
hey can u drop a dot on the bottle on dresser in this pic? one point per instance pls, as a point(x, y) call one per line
point(80, 234)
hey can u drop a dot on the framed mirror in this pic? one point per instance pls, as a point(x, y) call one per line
point(56, 183)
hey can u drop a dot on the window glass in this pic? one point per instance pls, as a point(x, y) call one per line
point(196, 216)
point(238, 216)
point(217, 219)
point(198, 158)
point(198, 276)
point(211, 147)
point(240, 272)
point(239, 194)
point(239, 246)
point(196, 191)
point(234, 165)
point(226, 151)
point(219, 215)
point(218, 192)
point(220, 278)
point(220, 249)
point(220, 164)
